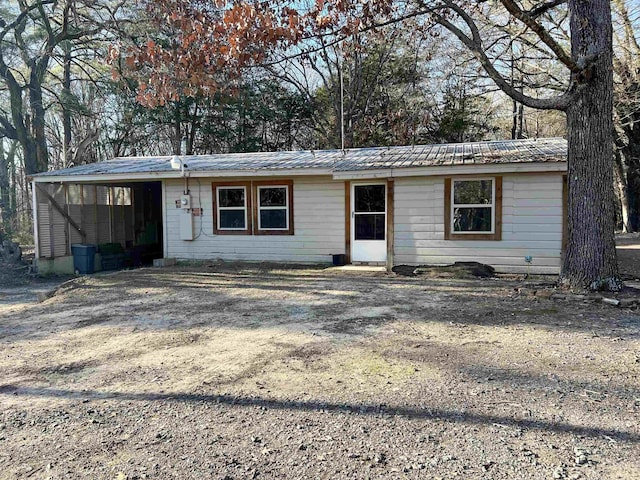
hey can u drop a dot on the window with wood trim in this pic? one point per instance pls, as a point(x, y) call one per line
point(473, 208)
point(232, 208)
point(273, 207)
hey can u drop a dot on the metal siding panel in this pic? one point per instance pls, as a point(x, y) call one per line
point(59, 240)
point(43, 225)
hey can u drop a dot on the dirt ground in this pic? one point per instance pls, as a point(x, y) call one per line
point(18, 287)
point(628, 251)
point(236, 371)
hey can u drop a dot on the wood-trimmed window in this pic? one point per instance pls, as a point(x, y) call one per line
point(273, 207)
point(473, 208)
point(232, 208)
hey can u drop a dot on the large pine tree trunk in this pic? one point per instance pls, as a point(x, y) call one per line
point(590, 260)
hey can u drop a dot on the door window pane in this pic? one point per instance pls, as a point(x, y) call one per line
point(370, 226)
point(232, 219)
point(369, 198)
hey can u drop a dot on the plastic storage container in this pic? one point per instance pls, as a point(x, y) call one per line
point(83, 258)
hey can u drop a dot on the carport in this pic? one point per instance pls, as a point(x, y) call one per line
point(122, 217)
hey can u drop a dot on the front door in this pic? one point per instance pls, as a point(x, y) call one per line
point(369, 222)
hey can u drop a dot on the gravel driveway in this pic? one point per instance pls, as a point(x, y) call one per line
point(237, 371)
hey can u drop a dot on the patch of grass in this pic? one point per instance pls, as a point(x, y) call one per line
point(366, 363)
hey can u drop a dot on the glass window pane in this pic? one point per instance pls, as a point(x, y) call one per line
point(472, 219)
point(370, 227)
point(273, 197)
point(232, 219)
point(369, 198)
point(231, 197)
point(472, 192)
point(273, 218)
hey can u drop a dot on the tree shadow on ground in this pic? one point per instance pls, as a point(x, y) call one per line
point(481, 367)
point(424, 413)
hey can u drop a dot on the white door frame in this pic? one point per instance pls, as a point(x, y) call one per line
point(369, 250)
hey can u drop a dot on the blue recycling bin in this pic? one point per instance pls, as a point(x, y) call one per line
point(83, 258)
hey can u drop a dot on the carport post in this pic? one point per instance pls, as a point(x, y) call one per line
point(34, 209)
point(165, 239)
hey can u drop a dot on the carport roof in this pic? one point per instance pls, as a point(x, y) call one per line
point(332, 161)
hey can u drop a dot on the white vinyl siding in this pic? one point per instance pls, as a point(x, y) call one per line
point(318, 218)
point(531, 225)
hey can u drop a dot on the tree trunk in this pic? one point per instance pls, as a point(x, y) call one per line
point(13, 196)
point(622, 190)
point(517, 128)
point(191, 137)
point(514, 120)
point(21, 122)
point(590, 260)
point(5, 227)
point(38, 123)
point(631, 157)
point(66, 113)
point(520, 121)
point(28, 147)
point(177, 131)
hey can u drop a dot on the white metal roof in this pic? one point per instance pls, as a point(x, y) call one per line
point(337, 162)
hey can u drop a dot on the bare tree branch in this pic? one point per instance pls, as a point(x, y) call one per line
point(544, 8)
point(542, 32)
point(474, 44)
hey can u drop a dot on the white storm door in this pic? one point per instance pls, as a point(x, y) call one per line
point(369, 222)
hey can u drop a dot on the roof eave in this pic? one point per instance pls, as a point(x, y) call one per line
point(168, 175)
point(470, 169)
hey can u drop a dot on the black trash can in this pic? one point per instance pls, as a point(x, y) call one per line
point(83, 258)
point(339, 259)
point(112, 256)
